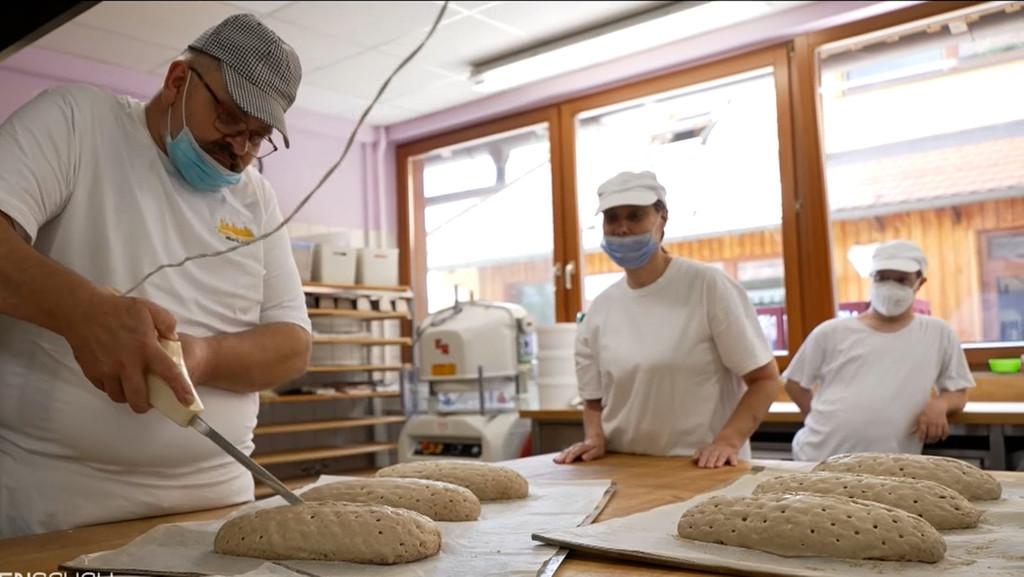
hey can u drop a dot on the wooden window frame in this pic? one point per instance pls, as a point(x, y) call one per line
point(411, 203)
point(988, 274)
point(816, 247)
point(807, 250)
point(776, 57)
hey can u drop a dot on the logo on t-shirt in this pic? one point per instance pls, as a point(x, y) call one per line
point(233, 232)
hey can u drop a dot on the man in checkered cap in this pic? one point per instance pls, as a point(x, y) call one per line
point(96, 191)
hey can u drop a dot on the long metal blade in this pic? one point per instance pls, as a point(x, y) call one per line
point(258, 471)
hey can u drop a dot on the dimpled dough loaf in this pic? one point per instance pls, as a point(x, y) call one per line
point(964, 478)
point(941, 506)
point(436, 499)
point(331, 531)
point(806, 525)
point(489, 482)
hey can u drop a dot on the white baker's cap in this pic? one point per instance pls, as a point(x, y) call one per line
point(901, 255)
point(630, 188)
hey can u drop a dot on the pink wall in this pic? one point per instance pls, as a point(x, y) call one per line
point(341, 201)
point(317, 140)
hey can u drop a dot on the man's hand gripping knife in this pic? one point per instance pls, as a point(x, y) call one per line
point(162, 398)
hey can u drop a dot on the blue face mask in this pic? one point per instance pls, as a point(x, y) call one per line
point(630, 252)
point(198, 168)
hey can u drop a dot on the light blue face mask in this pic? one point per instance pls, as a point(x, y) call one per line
point(198, 168)
point(630, 252)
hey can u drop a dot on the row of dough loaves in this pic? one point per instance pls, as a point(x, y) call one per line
point(878, 506)
point(387, 519)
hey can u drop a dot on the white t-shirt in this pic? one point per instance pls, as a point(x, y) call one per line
point(872, 385)
point(666, 360)
point(82, 177)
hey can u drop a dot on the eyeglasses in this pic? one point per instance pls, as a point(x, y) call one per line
point(231, 125)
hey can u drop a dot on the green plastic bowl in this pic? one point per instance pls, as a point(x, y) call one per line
point(1004, 365)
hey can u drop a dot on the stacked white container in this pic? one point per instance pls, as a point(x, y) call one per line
point(556, 366)
point(329, 354)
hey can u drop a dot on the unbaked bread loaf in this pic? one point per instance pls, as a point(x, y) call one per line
point(331, 531)
point(941, 506)
point(806, 525)
point(489, 482)
point(436, 499)
point(961, 476)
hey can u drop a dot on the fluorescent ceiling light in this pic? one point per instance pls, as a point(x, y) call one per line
point(647, 30)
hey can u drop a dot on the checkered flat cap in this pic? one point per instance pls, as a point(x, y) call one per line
point(261, 71)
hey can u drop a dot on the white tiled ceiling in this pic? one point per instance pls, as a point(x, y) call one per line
point(347, 48)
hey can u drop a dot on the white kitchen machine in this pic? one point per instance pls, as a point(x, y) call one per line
point(476, 361)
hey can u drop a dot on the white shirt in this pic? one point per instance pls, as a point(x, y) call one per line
point(872, 385)
point(82, 177)
point(666, 360)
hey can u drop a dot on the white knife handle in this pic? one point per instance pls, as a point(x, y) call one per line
point(162, 398)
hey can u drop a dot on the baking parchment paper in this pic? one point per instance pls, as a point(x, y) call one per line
point(499, 543)
point(995, 548)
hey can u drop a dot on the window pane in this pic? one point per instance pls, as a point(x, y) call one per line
point(441, 178)
point(489, 222)
point(526, 159)
point(714, 147)
point(923, 132)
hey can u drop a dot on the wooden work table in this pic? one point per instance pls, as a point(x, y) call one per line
point(782, 412)
point(643, 483)
point(996, 399)
point(985, 425)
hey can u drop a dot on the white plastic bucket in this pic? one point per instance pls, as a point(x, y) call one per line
point(556, 365)
point(556, 394)
point(322, 355)
point(349, 354)
point(336, 325)
point(556, 337)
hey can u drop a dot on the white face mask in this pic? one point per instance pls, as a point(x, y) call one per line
point(891, 299)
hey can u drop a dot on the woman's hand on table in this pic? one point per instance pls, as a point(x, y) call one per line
point(717, 454)
point(584, 451)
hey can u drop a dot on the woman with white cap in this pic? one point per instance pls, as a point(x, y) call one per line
point(671, 359)
point(875, 373)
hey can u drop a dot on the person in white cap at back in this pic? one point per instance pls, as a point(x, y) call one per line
point(866, 383)
point(96, 191)
point(671, 359)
